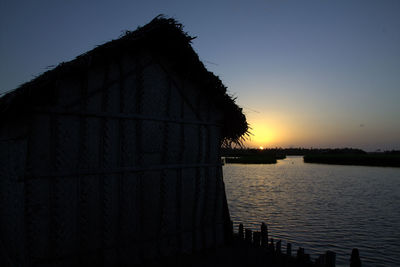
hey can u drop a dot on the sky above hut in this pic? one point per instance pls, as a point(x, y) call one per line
point(307, 73)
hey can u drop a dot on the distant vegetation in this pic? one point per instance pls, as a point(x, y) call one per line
point(341, 156)
point(384, 159)
point(252, 156)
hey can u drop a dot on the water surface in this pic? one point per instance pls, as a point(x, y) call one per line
point(321, 207)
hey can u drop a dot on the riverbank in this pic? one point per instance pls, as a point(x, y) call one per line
point(252, 159)
point(251, 156)
point(373, 159)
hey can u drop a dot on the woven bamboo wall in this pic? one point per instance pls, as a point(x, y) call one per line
point(13, 145)
point(123, 166)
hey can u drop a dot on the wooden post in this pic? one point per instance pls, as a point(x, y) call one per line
point(355, 260)
point(330, 258)
point(289, 249)
point(321, 260)
point(229, 234)
point(241, 232)
point(272, 246)
point(248, 235)
point(278, 247)
point(256, 238)
point(300, 253)
point(264, 235)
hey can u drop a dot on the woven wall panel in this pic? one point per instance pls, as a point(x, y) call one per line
point(176, 106)
point(69, 92)
point(128, 145)
point(113, 98)
point(82, 206)
point(37, 218)
point(191, 143)
point(150, 212)
point(187, 200)
point(91, 219)
point(130, 208)
point(210, 204)
point(111, 209)
point(129, 86)
point(64, 216)
point(40, 146)
point(174, 143)
point(213, 136)
point(68, 146)
point(110, 145)
point(95, 78)
point(94, 102)
point(169, 243)
point(12, 197)
point(199, 208)
point(188, 111)
point(154, 99)
point(152, 137)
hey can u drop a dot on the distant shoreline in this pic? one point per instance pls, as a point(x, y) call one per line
point(374, 160)
point(339, 156)
point(251, 159)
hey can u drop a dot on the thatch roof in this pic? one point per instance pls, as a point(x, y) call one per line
point(161, 36)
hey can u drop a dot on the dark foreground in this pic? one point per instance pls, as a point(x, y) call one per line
point(240, 253)
point(236, 254)
point(247, 248)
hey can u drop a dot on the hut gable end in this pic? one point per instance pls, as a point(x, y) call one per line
point(114, 157)
point(101, 68)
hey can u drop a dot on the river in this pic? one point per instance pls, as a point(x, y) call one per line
point(321, 207)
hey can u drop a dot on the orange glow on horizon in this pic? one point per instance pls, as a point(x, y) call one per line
point(284, 131)
point(268, 132)
point(263, 135)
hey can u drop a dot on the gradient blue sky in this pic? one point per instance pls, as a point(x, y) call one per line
point(307, 73)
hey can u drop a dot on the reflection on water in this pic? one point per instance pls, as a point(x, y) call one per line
point(321, 207)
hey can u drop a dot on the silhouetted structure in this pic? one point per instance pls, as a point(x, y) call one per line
point(355, 260)
point(114, 157)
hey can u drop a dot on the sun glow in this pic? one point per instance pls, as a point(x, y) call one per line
point(263, 135)
point(267, 131)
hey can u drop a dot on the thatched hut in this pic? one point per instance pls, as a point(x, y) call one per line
point(113, 157)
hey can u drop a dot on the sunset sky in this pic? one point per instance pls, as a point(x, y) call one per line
point(307, 73)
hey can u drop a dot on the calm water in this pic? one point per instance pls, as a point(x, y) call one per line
point(321, 207)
